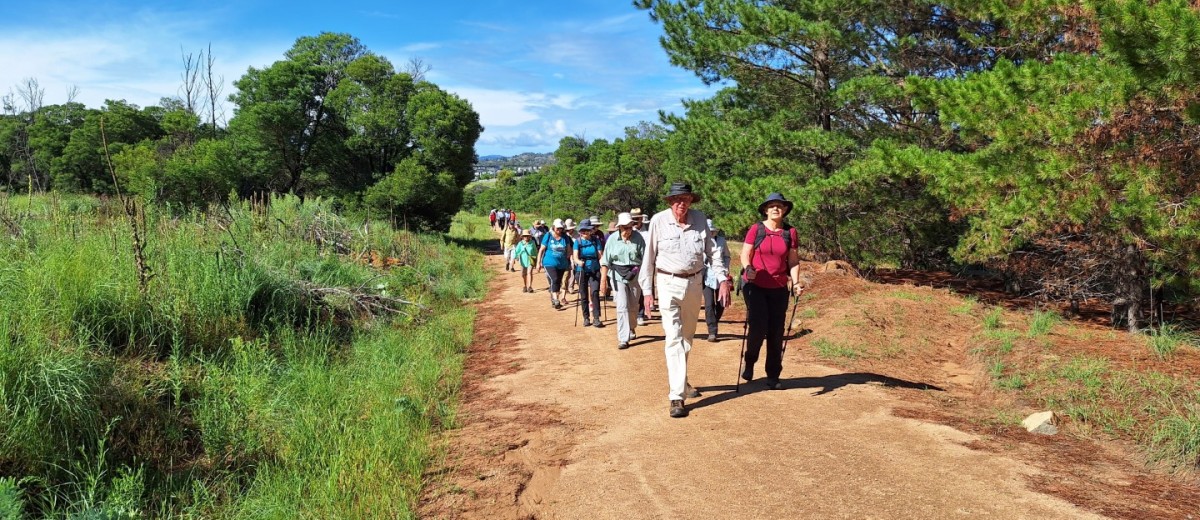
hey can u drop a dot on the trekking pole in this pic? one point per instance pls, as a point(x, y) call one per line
point(796, 304)
point(737, 387)
point(577, 307)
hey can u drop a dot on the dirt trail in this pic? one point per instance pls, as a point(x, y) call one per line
point(558, 423)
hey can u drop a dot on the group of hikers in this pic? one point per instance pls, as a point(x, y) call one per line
point(677, 257)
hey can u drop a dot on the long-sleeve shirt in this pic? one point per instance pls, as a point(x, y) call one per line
point(680, 250)
point(709, 279)
point(623, 252)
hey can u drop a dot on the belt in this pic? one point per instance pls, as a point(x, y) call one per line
point(677, 275)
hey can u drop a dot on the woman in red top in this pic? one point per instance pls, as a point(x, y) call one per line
point(766, 289)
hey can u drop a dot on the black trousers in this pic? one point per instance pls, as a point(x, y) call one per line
point(589, 293)
point(766, 311)
point(712, 309)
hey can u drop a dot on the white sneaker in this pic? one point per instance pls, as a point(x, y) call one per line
point(641, 320)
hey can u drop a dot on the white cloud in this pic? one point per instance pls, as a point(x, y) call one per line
point(506, 108)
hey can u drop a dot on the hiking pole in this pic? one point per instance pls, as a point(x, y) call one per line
point(791, 319)
point(737, 387)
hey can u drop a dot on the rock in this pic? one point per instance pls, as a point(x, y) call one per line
point(1045, 423)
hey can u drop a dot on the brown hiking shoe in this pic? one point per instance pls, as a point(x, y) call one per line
point(677, 409)
point(691, 392)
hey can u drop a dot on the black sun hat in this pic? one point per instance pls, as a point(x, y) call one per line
point(682, 188)
point(775, 197)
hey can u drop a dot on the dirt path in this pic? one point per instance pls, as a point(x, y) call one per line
point(558, 423)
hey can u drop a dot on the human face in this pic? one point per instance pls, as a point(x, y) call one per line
point(775, 211)
point(626, 231)
point(679, 206)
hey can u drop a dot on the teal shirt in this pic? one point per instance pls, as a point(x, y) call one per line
point(621, 252)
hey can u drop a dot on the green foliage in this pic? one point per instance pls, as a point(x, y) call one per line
point(106, 392)
point(1042, 322)
point(1167, 339)
point(11, 505)
point(599, 178)
point(833, 350)
point(992, 321)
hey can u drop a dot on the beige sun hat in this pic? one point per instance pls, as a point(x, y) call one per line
point(624, 219)
point(570, 223)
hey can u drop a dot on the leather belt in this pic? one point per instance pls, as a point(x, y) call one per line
point(677, 275)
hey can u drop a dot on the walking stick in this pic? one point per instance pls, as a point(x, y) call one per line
point(577, 307)
point(737, 387)
point(791, 319)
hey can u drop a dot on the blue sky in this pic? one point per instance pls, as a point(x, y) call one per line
point(535, 70)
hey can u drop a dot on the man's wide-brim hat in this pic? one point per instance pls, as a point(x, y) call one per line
point(682, 188)
point(637, 215)
point(775, 197)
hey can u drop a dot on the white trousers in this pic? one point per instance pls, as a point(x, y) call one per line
point(626, 296)
point(679, 301)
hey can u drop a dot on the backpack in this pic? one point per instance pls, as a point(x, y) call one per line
point(760, 234)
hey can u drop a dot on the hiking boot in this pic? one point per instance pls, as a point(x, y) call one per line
point(587, 322)
point(555, 303)
point(677, 409)
point(641, 320)
point(691, 392)
point(599, 324)
point(748, 373)
point(712, 338)
point(774, 384)
point(622, 345)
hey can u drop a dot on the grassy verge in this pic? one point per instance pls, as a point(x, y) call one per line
point(1097, 387)
point(280, 361)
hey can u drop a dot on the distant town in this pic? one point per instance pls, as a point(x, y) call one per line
point(490, 165)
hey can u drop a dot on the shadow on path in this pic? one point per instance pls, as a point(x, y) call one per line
point(826, 384)
point(488, 246)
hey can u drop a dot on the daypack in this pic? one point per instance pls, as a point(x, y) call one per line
point(760, 234)
point(590, 260)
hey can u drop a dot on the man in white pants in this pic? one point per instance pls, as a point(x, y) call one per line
point(678, 244)
point(622, 259)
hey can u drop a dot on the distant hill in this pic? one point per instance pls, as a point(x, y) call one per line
point(525, 159)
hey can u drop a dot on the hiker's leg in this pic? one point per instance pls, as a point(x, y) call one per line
point(777, 303)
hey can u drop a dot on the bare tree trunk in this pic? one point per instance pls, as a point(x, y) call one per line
point(1131, 282)
point(191, 79)
point(214, 87)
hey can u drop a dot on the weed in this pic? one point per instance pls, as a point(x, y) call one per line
point(1006, 339)
point(1042, 323)
point(1013, 382)
point(966, 307)
point(1166, 339)
point(996, 368)
point(831, 350)
point(992, 320)
point(911, 296)
point(808, 313)
point(1175, 439)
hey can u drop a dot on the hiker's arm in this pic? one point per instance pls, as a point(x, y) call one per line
point(541, 254)
point(794, 271)
point(747, 255)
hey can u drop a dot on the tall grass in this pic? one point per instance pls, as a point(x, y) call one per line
point(249, 379)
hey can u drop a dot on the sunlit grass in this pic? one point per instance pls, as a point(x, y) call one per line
point(245, 359)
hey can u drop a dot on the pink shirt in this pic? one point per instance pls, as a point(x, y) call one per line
point(770, 259)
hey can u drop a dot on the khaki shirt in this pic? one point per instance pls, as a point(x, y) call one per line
point(680, 250)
